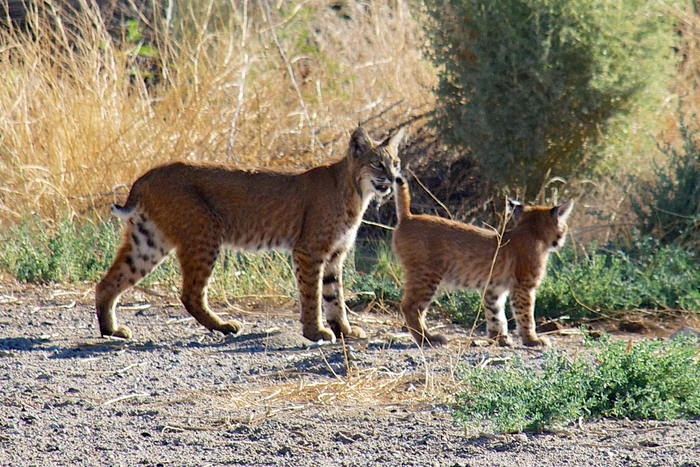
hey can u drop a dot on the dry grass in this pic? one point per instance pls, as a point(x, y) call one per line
point(375, 387)
point(77, 121)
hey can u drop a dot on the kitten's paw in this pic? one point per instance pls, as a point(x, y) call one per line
point(504, 340)
point(230, 327)
point(121, 332)
point(537, 341)
point(319, 334)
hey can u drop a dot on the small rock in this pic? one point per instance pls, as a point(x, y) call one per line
point(685, 331)
point(480, 343)
point(549, 326)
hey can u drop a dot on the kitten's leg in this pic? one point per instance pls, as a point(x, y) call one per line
point(141, 251)
point(522, 299)
point(417, 295)
point(308, 273)
point(496, 323)
point(334, 300)
point(197, 259)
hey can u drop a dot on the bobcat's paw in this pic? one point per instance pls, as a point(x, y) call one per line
point(537, 341)
point(230, 327)
point(430, 340)
point(319, 334)
point(121, 332)
point(348, 332)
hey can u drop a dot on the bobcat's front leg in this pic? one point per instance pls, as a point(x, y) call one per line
point(308, 273)
point(334, 299)
point(522, 299)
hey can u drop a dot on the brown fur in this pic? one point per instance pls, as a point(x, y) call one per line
point(195, 209)
point(433, 250)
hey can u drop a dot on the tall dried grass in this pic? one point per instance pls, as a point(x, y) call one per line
point(243, 82)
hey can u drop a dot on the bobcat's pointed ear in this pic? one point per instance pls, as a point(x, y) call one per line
point(562, 212)
point(514, 208)
point(360, 142)
point(393, 142)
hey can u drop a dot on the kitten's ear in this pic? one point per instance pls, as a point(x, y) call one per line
point(360, 142)
point(515, 208)
point(393, 142)
point(563, 211)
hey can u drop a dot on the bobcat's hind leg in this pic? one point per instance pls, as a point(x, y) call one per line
point(142, 250)
point(334, 300)
point(197, 263)
point(417, 295)
point(308, 274)
point(496, 323)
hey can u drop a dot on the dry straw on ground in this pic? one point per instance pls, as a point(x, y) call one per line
point(83, 112)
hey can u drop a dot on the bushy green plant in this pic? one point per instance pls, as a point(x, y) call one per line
point(613, 379)
point(530, 87)
point(668, 206)
point(614, 282)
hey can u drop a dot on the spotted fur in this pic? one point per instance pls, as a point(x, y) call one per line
point(195, 209)
point(433, 250)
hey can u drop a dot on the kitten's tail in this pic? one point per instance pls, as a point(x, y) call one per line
point(403, 199)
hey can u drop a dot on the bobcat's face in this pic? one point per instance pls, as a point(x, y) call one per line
point(379, 173)
point(376, 167)
point(550, 223)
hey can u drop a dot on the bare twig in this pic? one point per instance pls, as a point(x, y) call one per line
point(232, 134)
point(377, 224)
point(292, 78)
point(123, 398)
point(431, 194)
point(499, 237)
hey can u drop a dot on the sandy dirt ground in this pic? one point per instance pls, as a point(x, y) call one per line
point(178, 395)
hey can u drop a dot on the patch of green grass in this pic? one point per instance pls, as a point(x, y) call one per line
point(41, 251)
point(657, 380)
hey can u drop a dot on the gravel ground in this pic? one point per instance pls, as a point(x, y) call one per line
point(178, 395)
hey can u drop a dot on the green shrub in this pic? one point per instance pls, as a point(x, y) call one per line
point(611, 283)
point(669, 205)
point(530, 87)
point(648, 380)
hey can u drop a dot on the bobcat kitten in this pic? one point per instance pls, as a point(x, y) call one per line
point(433, 250)
point(194, 209)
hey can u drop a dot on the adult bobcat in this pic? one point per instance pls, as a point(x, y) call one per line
point(434, 250)
point(195, 209)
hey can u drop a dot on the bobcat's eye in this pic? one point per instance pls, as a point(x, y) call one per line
point(377, 165)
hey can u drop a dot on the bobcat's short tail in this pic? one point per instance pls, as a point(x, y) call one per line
point(125, 212)
point(403, 199)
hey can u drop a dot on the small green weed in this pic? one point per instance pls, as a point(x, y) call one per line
point(657, 380)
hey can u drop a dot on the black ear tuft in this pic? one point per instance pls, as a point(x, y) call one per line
point(360, 142)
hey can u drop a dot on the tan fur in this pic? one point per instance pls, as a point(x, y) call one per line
point(433, 250)
point(195, 209)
